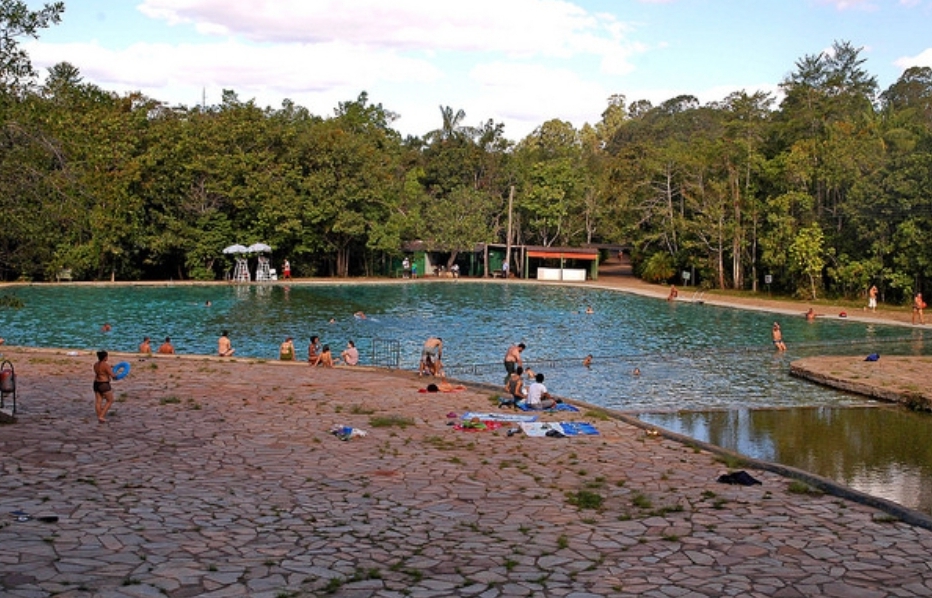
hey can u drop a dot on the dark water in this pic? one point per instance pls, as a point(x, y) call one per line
point(692, 357)
point(880, 450)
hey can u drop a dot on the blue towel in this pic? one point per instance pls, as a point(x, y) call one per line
point(575, 428)
point(558, 407)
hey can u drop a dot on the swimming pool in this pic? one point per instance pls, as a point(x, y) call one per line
point(690, 356)
point(706, 371)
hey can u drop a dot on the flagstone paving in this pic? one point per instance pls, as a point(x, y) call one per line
point(221, 478)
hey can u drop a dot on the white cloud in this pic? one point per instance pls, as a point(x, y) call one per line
point(517, 28)
point(526, 95)
point(924, 58)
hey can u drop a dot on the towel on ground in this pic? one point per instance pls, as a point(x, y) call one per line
point(500, 417)
point(540, 429)
point(558, 407)
point(474, 425)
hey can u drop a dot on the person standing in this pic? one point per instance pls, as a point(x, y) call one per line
point(103, 392)
point(918, 306)
point(777, 336)
point(872, 298)
point(513, 358)
point(286, 270)
point(431, 354)
point(286, 350)
point(224, 346)
point(406, 268)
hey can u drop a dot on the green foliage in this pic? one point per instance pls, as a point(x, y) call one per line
point(124, 187)
point(658, 268)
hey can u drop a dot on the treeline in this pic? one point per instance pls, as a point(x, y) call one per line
point(827, 191)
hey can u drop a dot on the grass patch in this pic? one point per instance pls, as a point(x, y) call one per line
point(389, 421)
point(170, 400)
point(641, 501)
point(360, 410)
point(585, 499)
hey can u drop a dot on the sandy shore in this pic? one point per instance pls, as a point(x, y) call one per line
point(220, 477)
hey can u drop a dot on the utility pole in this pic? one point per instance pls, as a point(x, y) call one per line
point(511, 198)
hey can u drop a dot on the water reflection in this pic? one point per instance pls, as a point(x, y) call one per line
point(878, 450)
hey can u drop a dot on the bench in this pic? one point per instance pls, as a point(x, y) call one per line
point(63, 274)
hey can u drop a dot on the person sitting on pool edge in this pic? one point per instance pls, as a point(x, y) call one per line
point(313, 351)
point(167, 348)
point(286, 350)
point(224, 346)
point(350, 354)
point(537, 395)
point(326, 358)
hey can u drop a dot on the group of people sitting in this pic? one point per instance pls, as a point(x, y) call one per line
point(318, 354)
point(534, 396)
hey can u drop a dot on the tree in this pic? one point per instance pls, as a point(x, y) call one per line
point(807, 255)
point(17, 21)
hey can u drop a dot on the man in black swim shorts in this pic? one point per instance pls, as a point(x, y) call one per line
point(103, 392)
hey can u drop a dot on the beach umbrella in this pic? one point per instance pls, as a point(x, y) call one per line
point(259, 248)
point(236, 249)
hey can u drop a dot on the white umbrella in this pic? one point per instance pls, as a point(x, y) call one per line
point(258, 248)
point(236, 249)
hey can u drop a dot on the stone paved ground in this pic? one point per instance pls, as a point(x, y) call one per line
point(220, 478)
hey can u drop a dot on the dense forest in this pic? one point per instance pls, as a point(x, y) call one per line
point(826, 191)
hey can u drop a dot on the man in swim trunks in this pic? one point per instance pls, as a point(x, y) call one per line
point(777, 336)
point(431, 354)
point(872, 298)
point(224, 346)
point(513, 357)
point(103, 393)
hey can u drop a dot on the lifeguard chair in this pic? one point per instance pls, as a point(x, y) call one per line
point(262, 270)
point(241, 272)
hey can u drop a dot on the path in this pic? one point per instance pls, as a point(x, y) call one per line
point(219, 478)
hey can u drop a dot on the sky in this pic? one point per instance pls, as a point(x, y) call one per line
point(516, 62)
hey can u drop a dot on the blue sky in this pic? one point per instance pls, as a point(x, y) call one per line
point(519, 62)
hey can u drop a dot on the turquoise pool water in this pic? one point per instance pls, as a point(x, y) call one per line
point(706, 371)
point(691, 356)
